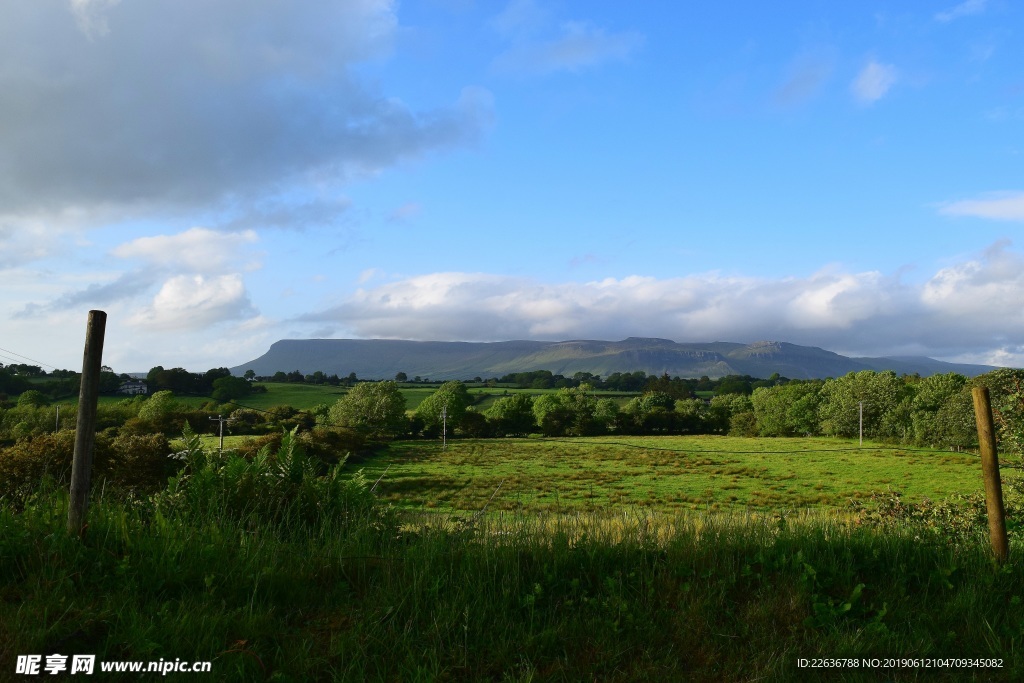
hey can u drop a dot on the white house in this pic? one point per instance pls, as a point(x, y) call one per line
point(132, 387)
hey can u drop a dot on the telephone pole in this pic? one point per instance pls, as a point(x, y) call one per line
point(862, 423)
point(444, 427)
point(222, 420)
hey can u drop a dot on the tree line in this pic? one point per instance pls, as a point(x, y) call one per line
point(925, 411)
point(935, 411)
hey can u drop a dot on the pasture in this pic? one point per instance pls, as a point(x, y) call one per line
point(663, 474)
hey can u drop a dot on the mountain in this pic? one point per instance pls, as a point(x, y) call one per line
point(383, 358)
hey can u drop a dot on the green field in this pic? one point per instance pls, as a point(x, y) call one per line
point(664, 474)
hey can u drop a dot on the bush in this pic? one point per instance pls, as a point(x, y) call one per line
point(955, 519)
point(24, 465)
point(128, 461)
point(284, 487)
point(743, 424)
point(138, 462)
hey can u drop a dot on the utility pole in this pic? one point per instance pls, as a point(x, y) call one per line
point(56, 427)
point(862, 423)
point(444, 427)
point(222, 420)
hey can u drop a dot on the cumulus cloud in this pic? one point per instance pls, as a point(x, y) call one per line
point(867, 313)
point(136, 106)
point(198, 251)
point(964, 9)
point(194, 302)
point(873, 82)
point(1003, 206)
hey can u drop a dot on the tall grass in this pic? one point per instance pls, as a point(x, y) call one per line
point(277, 591)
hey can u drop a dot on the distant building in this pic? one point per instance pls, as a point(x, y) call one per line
point(133, 387)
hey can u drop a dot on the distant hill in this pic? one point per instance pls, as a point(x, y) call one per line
point(383, 358)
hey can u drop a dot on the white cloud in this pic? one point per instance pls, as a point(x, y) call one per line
point(973, 307)
point(197, 252)
point(197, 249)
point(873, 82)
point(194, 302)
point(1003, 206)
point(966, 8)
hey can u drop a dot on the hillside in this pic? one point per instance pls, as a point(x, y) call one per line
point(383, 358)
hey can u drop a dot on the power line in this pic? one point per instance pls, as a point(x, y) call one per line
point(27, 358)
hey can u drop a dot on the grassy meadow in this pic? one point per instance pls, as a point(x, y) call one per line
point(663, 474)
point(526, 598)
point(610, 559)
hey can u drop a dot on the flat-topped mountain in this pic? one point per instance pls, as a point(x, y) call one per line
point(383, 358)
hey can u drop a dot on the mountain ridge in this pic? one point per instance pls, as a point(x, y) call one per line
point(384, 358)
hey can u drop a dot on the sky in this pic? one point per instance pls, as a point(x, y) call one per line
point(217, 175)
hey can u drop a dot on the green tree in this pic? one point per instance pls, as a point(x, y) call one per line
point(453, 398)
point(569, 411)
point(401, 377)
point(880, 392)
point(1006, 392)
point(159, 409)
point(373, 408)
point(692, 416)
point(32, 399)
point(230, 388)
point(606, 414)
point(931, 393)
point(787, 409)
point(650, 413)
point(513, 415)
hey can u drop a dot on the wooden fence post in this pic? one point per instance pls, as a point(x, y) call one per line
point(85, 432)
point(990, 471)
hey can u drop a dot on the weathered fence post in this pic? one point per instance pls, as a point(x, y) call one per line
point(85, 431)
point(990, 471)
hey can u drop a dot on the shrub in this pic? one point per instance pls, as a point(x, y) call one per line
point(955, 519)
point(128, 461)
point(138, 462)
point(284, 487)
point(743, 424)
point(24, 465)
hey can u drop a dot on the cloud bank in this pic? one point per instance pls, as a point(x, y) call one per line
point(961, 309)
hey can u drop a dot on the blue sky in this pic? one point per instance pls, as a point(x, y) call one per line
point(218, 175)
